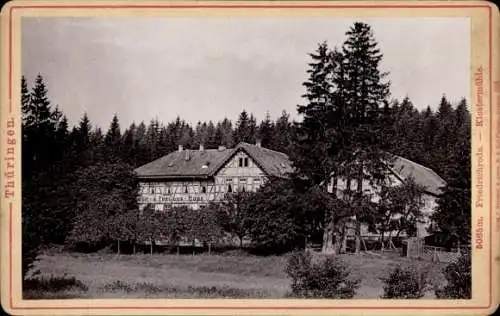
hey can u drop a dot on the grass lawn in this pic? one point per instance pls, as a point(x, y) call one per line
point(200, 276)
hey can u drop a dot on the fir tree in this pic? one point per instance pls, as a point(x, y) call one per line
point(266, 131)
point(365, 93)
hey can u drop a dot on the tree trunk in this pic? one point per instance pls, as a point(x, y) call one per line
point(327, 247)
point(209, 248)
point(358, 236)
point(133, 249)
point(382, 241)
point(241, 241)
point(118, 250)
point(151, 247)
point(359, 190)
point(343, 239)
point(330, 241)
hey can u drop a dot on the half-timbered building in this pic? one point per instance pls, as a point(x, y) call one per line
point(195, 178)
point(399, 172)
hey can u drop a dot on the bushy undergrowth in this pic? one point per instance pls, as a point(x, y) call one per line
point(405, 283)
point(190, 291)
point(327, 277)
point(458, 275)
point(53, 284)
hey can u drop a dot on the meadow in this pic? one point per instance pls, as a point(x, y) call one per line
point(105, 275)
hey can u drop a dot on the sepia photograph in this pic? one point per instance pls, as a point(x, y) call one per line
point(239, 157)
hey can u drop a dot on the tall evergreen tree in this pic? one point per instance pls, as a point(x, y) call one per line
point(366, 92)
point(224, 133)
point(244, 128)
point(112, 140)
point(316, 145)
point(266, 131)
point(452, 216)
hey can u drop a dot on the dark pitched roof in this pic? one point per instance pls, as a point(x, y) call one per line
point(190, 163)
point(404, 169)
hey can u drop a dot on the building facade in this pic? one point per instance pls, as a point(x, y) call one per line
point(194, 178)
point(400, 172)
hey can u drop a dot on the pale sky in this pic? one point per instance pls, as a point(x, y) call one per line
point(210, 68)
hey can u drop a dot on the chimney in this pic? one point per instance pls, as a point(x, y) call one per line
point(180, 148)
point(202, 148)
point(258, 143)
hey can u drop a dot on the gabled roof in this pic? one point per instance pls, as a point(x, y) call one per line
point(190, 163)
point(405, 169)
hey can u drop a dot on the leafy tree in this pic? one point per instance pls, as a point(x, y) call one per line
point(150, 225)
point(233, 214)
point(400, 209)
point(104, 192)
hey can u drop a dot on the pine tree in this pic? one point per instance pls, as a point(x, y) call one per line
point(316, 145)
point(211, 137)
point(112, 146)
point(282, 134)
point(245, 127)
point(224, 133)
point(453, 214)
point(129, 149)
point(266, 131)
point(25, 100)
point(365, 94)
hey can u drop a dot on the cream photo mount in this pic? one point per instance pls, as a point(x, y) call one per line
point(484, 107)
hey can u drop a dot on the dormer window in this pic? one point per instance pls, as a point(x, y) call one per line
point(243, 162)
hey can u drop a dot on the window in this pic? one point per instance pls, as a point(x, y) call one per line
point(246, 162)
point(243, 180)
point(158, 207)
point(229, 188)
point(185, 189)
point(203, 189)
point(241, 162)
point(152, 190)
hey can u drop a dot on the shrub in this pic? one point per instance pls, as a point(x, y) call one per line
point(119, 285)
point(53, 284)
point(324, 278)
point(459, 279)
point(405, 283)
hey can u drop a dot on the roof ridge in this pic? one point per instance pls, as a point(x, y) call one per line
point(424, 167)
point(264, 148)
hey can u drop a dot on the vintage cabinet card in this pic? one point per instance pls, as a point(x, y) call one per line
point(258, 157)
